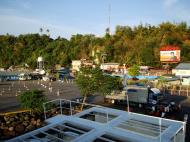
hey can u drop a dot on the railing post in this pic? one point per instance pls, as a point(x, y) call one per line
point(184, 131)
point(128, 103)
point(44, 111)
point(60, 105)
point(160, 124)
point(187, 91)
point(107, 117)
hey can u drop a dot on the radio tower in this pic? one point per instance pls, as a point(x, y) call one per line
point(109, 18)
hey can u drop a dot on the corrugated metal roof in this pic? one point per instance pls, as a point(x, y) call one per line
point(183, 66)
point(6, 73)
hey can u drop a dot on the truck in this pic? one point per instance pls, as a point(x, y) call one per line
point(140, 95)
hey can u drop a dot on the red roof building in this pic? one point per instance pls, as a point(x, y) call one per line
point(169, 48)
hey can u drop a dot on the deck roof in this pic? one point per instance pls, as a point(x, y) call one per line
point(107, 125)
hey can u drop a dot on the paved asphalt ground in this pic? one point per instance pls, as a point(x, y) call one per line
point(9, 90)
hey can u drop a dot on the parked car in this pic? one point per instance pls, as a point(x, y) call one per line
point(24, 76)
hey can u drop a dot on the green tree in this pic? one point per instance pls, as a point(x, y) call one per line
point(134, 71)
point(161, 82)
point(110, 83)
point(32, 100)
point(138, 45)
point(92, 80)
point(86, 82)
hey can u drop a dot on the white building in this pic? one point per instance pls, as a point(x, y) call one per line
point(2, 69)
point(102, 124)
point(182, 70)
point(40, 63)
point(109, 66)
point(76, 64)
point(185, 81)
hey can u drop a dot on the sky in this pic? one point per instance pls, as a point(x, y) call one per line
point(68, 17)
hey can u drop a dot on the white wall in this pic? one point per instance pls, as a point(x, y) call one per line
point(177, 72)
point(106, 66)
point(76, 64)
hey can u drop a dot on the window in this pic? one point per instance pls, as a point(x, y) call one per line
point(131, 90)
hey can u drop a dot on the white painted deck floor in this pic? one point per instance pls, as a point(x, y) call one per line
point(101, 124)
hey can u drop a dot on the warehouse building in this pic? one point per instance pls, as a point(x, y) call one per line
point(182, 70)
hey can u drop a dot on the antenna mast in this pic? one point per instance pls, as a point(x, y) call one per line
point(109, 18)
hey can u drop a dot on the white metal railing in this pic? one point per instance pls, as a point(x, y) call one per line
point(67, 107)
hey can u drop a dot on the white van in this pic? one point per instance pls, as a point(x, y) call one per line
point(24, 76)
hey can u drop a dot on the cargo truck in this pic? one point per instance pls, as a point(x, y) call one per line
point(141, 95)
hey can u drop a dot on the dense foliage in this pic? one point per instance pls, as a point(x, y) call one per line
point(134, 70)
point(139, 45)
point(92, 80)
point(32, 100)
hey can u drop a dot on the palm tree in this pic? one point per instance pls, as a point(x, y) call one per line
point(47, 32)
point(107, 31)
point(41, 30)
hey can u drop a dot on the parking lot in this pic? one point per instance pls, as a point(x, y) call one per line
point(9, 90)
